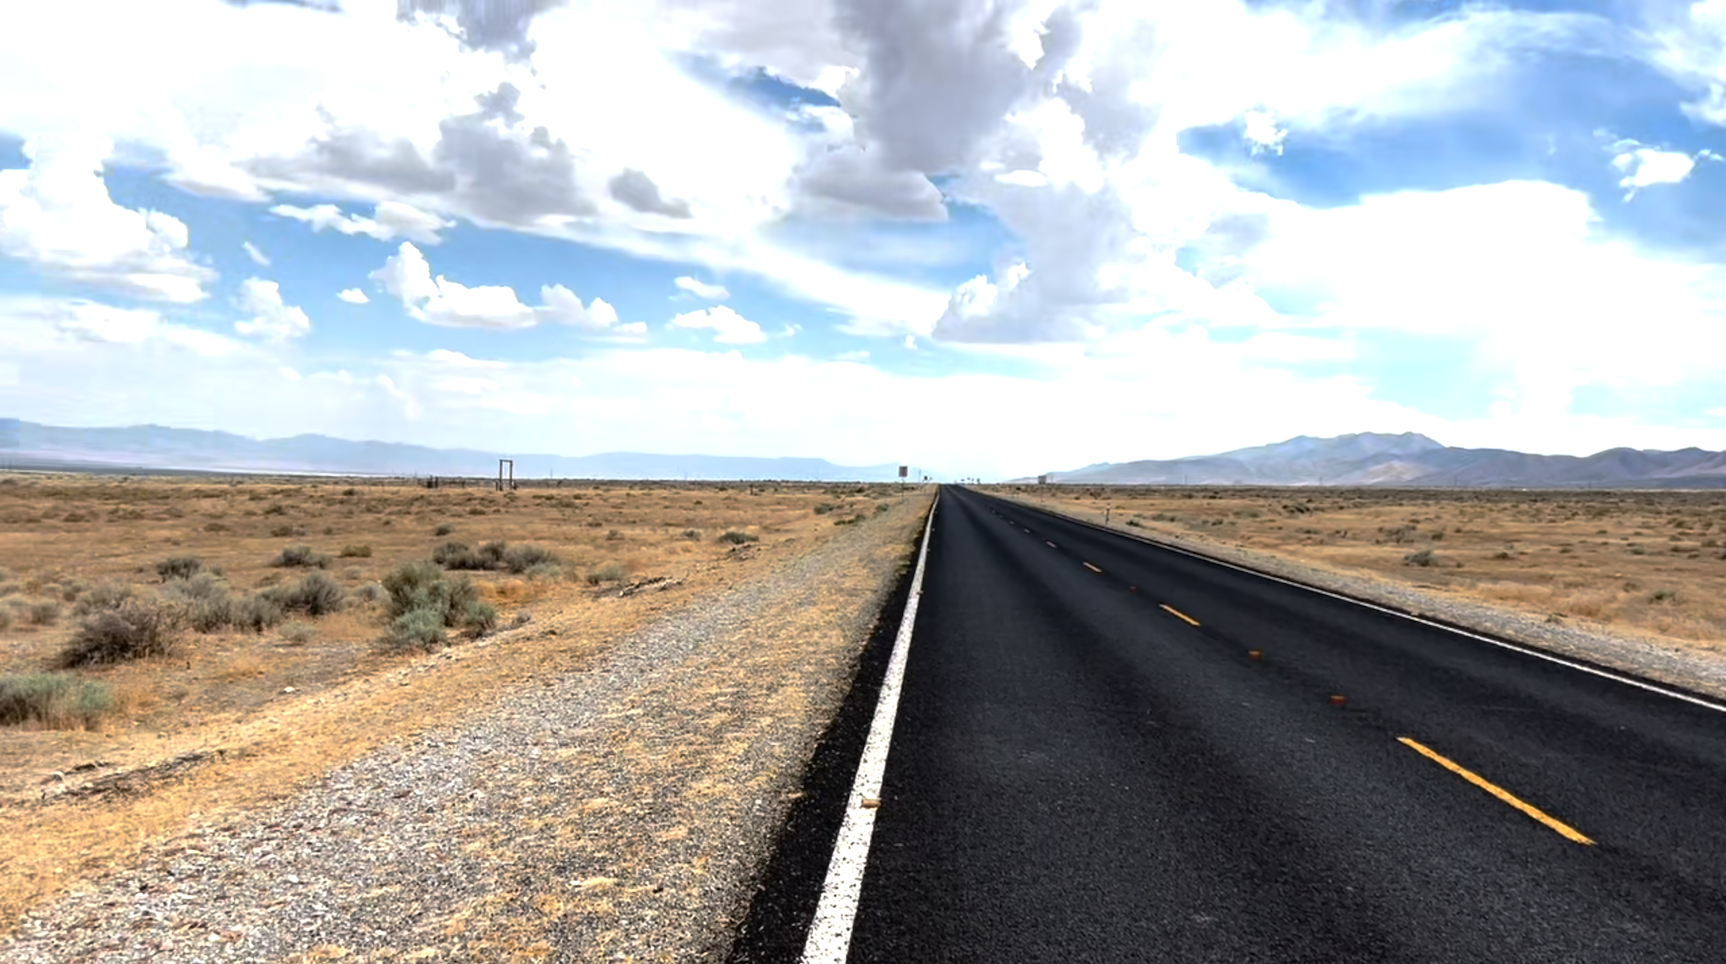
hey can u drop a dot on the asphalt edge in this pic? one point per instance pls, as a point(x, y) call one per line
point(789, 883)
point(1595, 666)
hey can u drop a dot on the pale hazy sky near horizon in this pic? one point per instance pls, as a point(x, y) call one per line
point(993, 236)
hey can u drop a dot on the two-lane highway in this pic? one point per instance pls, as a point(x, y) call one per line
point(1110, 751)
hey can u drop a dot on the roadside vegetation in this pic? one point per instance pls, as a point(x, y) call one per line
point(423, 602)
point(209, 604)
point(54, 700)
point(170, 617)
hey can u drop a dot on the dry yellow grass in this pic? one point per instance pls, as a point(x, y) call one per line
point(1652, 563)
point(228, 694)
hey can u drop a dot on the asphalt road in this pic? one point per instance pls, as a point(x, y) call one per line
point(1090, 765)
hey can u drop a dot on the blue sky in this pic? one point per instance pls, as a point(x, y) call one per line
point(871, 230)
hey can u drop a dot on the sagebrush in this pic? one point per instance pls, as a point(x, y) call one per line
point(53, 699)
point(301, 557)
point(423, 601)
point(135, 629)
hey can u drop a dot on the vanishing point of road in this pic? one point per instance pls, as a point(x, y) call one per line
point(1106, 750)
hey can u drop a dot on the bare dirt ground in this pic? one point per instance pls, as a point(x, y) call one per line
point(1648, 566)
point(236, 720)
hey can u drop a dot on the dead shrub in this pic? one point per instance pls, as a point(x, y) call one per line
point(301, 557)
point(135, 629)
point(44, 613)
point(315, 595)
point(102, 596)
point(179, 567)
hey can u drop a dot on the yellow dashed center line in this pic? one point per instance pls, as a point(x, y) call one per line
point(1092, 568)
point(1178, 614)
point(1557, 826)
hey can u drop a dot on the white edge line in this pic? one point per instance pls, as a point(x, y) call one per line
point(1513, 647)
point(829, 940)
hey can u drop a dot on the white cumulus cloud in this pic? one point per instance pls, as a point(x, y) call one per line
point(562, 307)
point(389, 220)
point(258, 257)
point(353, 296)
point(439, 301)
point(701, 289)
point(1261, 131)
point(1646, 166)
point(728, 327)
point(271, 320)
point(976, 312)
point(57, 215)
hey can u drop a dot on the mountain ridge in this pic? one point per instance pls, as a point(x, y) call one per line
point(1411, 459)
point(167, 448)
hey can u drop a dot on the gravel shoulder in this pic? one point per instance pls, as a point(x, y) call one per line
point(618, 810)
point(1648, 658)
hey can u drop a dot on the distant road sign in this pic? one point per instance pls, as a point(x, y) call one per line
point(904, 470)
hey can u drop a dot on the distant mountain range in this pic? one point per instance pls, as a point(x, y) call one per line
point(1413, 460)
point(27, 444)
